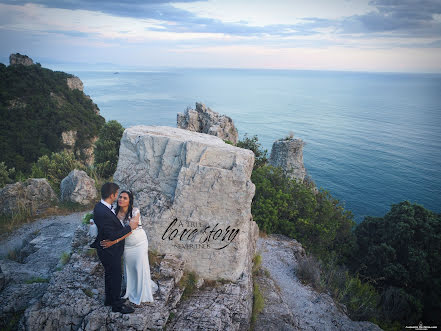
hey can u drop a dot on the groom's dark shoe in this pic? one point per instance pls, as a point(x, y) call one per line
point(123, 309)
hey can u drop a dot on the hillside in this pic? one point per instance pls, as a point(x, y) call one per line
point(43, 111)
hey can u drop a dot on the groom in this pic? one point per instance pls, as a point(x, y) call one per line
point(110, 227)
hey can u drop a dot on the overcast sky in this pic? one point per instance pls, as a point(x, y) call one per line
point(378, 35)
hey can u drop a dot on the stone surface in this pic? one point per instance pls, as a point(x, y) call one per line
point(74, 299)
point(69, 138)
point(75, 83)
point(34, 196)
point(17, 58)
point(224, 307)
point(204, 120)
point(276, 314)
point(36, 249)
point(311, 310)
point(194, 192)
point(288, 155)
point(78, 187)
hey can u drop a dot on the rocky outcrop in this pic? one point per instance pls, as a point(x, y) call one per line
point(33, 196)
point(195, 192)
point(17, 58)
point(288, 155)
point(75, 295)
point(28, 258)
point(75, 83)
point(309, 309)
point(204, 120)
point(78, 187)
point(69, 138)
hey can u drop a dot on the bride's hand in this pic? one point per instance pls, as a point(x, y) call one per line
point(106, 243)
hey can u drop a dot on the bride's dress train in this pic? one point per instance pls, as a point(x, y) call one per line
point(140, 287)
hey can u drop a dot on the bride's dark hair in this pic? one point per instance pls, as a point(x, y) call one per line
point(130, 209)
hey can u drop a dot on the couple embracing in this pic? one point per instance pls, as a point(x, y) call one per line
point(120, 234)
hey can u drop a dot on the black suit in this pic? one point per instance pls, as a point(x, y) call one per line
point(109, 227)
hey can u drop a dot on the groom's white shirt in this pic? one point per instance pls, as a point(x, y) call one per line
point(110, 207)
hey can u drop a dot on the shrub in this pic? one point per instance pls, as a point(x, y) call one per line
point(55, 167)
point(6, 175)
point(308, 271)
point(188, 283)
point(254, 145)
point(65, 257)
point(107, 148)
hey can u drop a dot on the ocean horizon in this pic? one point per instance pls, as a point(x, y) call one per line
point(371, 139)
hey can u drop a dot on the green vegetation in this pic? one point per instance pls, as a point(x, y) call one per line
point(88, 292)
point(258, 303)
point(7, 176)
point(318, 221)
point(107, 149)
point(65, 257)
point(55, 167)
point(37, 280)
point(37, 106)
point(386, 269)
point(401, 253)
point(188, 283)
point(254, 145)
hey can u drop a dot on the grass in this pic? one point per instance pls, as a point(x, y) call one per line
point(14, 254)
point(88, 292)
point(154, 257)
point(64, 258)
point(188, 283)
point(257, 262)
point(308, 271)
point(34, 280)
point(91, 252)
point(258, 304)
point(25, 215)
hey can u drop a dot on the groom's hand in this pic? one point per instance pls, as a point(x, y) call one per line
point(134, 223)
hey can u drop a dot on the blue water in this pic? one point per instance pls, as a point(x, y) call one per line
point(372, 139)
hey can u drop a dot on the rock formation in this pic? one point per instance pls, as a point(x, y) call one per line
point(75, 83)
point(69, 138)
point(288, 155)
point(295, 306)
point(75, 295)
point(78, 187)
point(194, 192)
point(17, 58)
point(32, 196)
point(204, 120)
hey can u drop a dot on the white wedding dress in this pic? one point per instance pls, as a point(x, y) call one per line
point(140, 287)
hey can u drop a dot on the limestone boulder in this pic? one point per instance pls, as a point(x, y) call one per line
point(204, 120)
point(78, 187)
point(194, 192)
point(32, 196)
point(288, 155)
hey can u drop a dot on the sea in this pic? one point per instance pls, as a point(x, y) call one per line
point(371, 139)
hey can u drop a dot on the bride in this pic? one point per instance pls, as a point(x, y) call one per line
point(140, 287)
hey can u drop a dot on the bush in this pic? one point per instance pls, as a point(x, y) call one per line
point(6, 175)
point(317, 221)
point(308, 271)
point(55, 167)
point(402, 253)
point(254, 145)
point(107, 148)
point(258, 303)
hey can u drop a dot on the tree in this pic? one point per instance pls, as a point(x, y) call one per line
point(254, 145)
point(107, 148)
point(402, 253)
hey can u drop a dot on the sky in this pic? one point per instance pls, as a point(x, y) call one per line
point(353, 35)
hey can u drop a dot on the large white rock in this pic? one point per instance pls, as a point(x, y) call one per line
point(78, 187)
point(194, 192)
